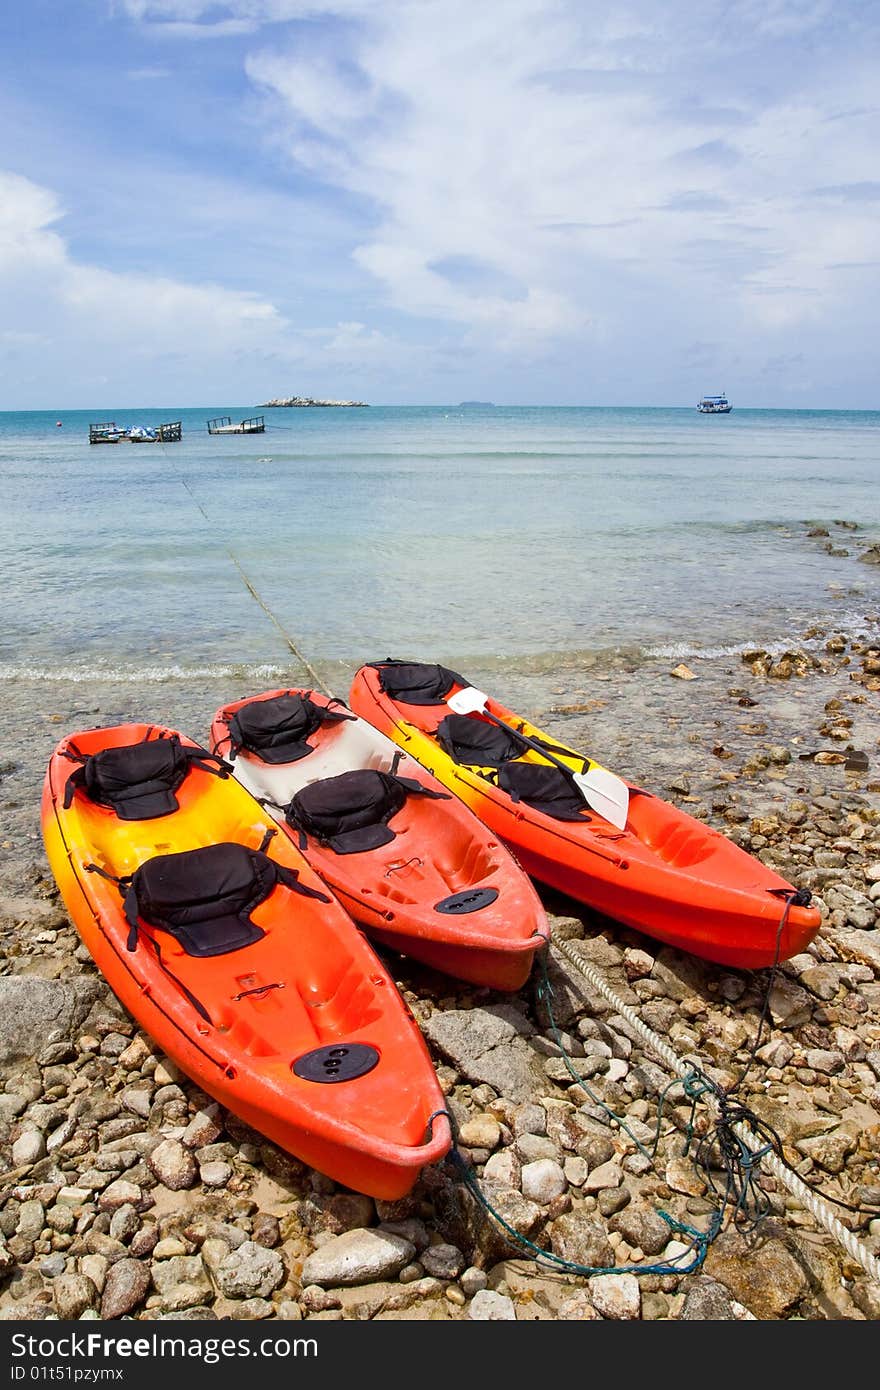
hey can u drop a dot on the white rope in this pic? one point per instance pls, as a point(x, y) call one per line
point(799, 1189)
point(256, 596)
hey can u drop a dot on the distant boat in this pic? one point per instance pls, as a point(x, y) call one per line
point(142, 435)
point(714, 405)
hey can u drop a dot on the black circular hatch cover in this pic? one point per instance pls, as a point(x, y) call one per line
point(336, 1062)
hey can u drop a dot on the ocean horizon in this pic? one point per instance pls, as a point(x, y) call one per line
point(542, 536)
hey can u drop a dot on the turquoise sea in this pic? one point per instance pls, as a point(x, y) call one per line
point(441, 533)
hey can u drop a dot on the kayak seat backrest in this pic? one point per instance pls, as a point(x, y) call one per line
point(477, 743)
point(204, 897)
point(544, 788)
point(417, 683)
point(138, 781)
point(348, 813)
point(277, 730)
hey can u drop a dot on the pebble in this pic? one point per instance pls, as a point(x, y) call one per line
point(96, 1268)
point(29, 1148)
point(204, 1128)
point(173, 1165)
point(249, 1271)
point(126, 1286)
point(480, 1132)
point(124, 1223)
point(215, 1174)
point(488, 1306)
point(137, 1100)
point(120, 1193)
point(616, 1296)
point(606, 1175)
point(169, 1247)
point(542, 1180)
point(443, 1261)
point(472, 1280)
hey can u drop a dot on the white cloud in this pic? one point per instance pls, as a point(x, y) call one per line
point(612, 175)
point(475, 131)
point(92, 327)
point(35, 255)
point(190, 18)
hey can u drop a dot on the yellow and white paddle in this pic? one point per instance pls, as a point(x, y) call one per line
point(602, 790)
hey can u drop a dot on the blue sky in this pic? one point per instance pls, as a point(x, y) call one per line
point(423, 201)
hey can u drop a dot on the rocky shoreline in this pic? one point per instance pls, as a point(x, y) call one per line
point(126, 1192)
point(306, 400)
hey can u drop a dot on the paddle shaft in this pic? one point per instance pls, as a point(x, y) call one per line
point(603, 791)
point(531, 743)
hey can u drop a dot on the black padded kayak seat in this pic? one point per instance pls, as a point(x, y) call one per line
point(544, 788)
point(204, 897)
point(416, 683)
point(477, 743)
point(350, 813)
point(139, 780)
point(277, 730)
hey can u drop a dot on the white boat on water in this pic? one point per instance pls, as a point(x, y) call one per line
point(714, 405)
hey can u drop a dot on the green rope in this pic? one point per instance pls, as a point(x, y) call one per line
point(694, 1255)
point(721, 1148)
point(544, 993)
point(739, 1167)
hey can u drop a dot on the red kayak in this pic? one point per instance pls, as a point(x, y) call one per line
point(579, 828)
point(410, 863)
point(225, 946)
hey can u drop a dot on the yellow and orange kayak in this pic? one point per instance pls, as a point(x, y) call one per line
point(661, 871)
point(409, 861)
point(225, 946)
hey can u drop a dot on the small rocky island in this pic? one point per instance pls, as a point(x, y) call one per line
point(307, 400)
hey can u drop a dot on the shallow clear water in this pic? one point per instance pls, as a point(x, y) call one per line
point(438, 533)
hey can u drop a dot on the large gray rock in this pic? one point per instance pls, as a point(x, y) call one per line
point(767, 1279)
point(35, 1012)
point(357, 1257)
point(487, 1045)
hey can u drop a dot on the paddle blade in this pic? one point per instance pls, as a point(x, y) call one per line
point(468, 701)
point(605, 793)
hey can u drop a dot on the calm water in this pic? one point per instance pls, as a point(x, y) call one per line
point(439, 533)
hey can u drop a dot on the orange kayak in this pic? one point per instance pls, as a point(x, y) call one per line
point(408, 860)
point(657, 870)
point(225, 946)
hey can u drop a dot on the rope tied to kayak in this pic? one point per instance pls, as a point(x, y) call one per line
point(741, 1135)
point(689, 1260)
point(736, 1145)
point(719, 1149)
point(257, 597)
